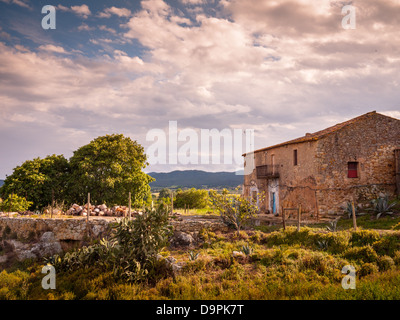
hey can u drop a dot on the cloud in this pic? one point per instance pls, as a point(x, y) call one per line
point(282, 68)
point(82, 10)
point(52, 48)
point(85, 27)
point(21, 3)
point(120, 12)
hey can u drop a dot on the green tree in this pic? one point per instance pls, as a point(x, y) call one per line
point(14, 203)
point(192, 198)
point(36, 180)
point(234, 209)
point(109, 167)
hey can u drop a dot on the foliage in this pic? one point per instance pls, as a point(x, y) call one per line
point(14, 203)
point(193, 256)
point(191, 198)
point(109, 167)
point(36, 180)
point(247, 250)
point(332, 225)
point(382, 206)
point(234, 209)
point(130, 252)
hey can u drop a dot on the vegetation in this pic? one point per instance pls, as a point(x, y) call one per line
point(192, 198)
point(130, 253)
point(38, 180)
point(234, 209)
point(109, 167)
point(284, 264)
point(14, 203)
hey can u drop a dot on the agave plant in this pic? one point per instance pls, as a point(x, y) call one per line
point(193, 256)
point(332, 226)
point(349, 210)
point(247, 250)
point(382, 206)
point(323, 244)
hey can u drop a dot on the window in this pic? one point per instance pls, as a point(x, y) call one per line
point(352, 169)
point(295, 157)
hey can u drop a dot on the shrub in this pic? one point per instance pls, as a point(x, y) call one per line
point(385, 263)
point(367, 268)
point(333, 242)
point(234, 210)
point(365, 254)
point(387, 245)
point(364, 237)
point(130, 253)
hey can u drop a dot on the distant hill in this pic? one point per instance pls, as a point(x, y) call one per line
point(1, 182)
point(195, 179)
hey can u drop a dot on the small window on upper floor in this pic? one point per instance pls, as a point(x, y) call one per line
point(352, 170)
point(295, 162)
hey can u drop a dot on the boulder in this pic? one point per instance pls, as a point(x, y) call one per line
point(182, 239)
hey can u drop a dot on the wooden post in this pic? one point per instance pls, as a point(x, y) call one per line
point(172, 202)
point(9, 208)
point(316, 205)
point(88, 207)
point(52, 203)
point(298, 218)
point(129, 206)
point(353, 212)
point(283, 218)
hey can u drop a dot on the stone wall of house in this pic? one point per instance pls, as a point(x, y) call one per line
point(319, 181)
point(371, 143)
point(296, 182)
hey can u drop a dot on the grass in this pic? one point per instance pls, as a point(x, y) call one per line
point(280, 265)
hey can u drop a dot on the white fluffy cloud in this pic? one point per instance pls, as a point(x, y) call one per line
point(281, 68)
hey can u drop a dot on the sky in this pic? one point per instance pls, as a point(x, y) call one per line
point(280, 68)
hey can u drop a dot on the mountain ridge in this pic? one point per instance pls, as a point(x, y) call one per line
point(195, 179)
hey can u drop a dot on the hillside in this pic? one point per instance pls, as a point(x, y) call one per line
point(195, 179)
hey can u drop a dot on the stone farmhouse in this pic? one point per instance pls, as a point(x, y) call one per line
point(355, 160)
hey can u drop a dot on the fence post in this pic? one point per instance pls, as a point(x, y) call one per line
point(283, 218)
point(353, 212)
point(129, 209)
point(316, 205)
point(88, 207)
point(298, 218)
point(52, 203)
point(172, 202)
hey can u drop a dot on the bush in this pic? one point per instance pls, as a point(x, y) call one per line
point(385, 263)
point(365, 254)
point(367, 268)
point(388, 245)
point(130, 253)
point(364, 237)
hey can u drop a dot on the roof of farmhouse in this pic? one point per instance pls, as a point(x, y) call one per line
point(319, 134)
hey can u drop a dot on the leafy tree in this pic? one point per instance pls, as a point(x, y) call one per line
point(109, 167)
point(14, 203)
point(234, 209)
point(36, 180)
point(192, 198)
point(164, 193)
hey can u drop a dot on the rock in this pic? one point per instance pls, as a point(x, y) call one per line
point(171, 259)
point(3, 259)
point(102, 207)
point(48, 237)
point(183, 239)
point(237, 254)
